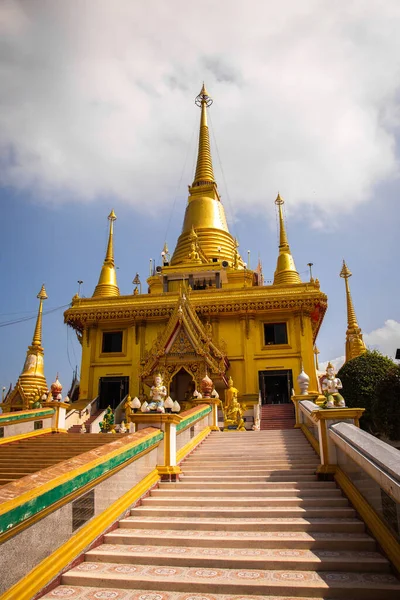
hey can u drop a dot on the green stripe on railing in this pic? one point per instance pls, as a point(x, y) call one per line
point(28, 509)
point(7, 418)
point(191, 418)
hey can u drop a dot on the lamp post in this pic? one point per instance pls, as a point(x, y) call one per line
point(309, 265)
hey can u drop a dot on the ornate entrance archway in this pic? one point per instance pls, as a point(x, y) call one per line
point(184, 344)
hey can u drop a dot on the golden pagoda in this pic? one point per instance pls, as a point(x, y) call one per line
point(355, 345)
point(31, 383)
point(205, 312)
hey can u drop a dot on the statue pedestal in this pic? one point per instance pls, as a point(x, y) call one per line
point(58, 422)
point(324, 418)
point(214, 403)
point(166, 457)
point(296, 398)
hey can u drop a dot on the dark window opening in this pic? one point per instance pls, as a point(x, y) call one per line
point(38, 425)
point(112, 342)
point(1, 432)
point(275, 333)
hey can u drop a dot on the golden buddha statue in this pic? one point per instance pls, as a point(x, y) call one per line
point(230, 394)
point(234, 416)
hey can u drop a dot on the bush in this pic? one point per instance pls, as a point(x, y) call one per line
point(362, 378)
point(387, 411)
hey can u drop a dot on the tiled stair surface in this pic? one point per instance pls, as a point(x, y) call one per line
point(248, 520)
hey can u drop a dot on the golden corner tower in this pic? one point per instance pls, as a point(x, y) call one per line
point(206, 313)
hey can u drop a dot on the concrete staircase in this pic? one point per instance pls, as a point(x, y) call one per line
point(277, 416)
point(248, 520)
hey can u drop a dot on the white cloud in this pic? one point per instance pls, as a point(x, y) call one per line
point(336, 362)
point(386, 339)
point(97, 98)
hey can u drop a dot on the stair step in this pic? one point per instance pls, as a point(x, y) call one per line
point(243, 503)
point(272, 476)
point(247, 486)
point(249, 539)
point(369, 586)
point(79, 593)
point(254, 471)
point(348, 524)
point(240, 558)
point(244, 512)
point(247, 492)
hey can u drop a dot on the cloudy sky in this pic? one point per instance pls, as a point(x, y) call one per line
point(97, 112)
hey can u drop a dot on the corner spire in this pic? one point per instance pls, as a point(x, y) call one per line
point(107, 285)
point(285, 268)
point(355, 345)
point(204, 169)
point(32, 376)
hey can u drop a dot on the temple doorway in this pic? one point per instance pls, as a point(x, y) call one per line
point(182, 386)
point(112, 390)
point(275, 386)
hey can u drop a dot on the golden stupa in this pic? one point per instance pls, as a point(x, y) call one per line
point(205, 312)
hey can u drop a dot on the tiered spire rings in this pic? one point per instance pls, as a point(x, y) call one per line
point(285, 272)
point(204, 169)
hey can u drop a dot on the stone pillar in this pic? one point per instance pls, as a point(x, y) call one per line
point(60, 410)
point(324, 418)
point(166, 454)
point(296, 398)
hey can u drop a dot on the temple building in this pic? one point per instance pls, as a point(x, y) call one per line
point(205, 312)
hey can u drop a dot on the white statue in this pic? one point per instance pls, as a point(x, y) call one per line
point(158, 393)
point(330, 388)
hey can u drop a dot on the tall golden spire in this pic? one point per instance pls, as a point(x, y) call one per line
point(205, 213)
point(107, 285)
point(285, 268)
point(355, 345)
point(204, 169)
point(32, 377)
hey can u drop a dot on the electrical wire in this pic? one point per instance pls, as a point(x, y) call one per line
point(188, 147)
point(232, 220)
point(23, 319)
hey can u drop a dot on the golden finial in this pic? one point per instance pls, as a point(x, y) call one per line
point(37, 336)
point(345, 273)
point(204, 169)
point(355, 345)
point(285, 269)
point(107, 285)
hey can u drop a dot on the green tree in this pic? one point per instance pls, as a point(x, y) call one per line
point(361, 378)
point(387, 413)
